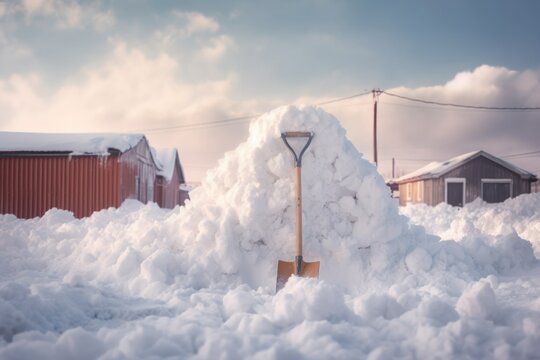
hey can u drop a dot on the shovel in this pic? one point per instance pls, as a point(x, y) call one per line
point(298, 267)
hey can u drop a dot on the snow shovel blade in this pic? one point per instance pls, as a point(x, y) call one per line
point(286, 268)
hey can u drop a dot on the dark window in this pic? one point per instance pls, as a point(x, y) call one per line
point(454, 195)
point(495, 192)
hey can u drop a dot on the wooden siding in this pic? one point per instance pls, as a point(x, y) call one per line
point(473, 172)
point(31, 185)
point(483, 168)
point(168, 193)
point(137, 173)
point(421, 191)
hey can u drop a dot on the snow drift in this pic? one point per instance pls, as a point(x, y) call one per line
point(198, 281)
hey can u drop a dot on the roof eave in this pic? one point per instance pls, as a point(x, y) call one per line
point(417, 178)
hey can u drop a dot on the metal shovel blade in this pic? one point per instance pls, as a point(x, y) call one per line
point(286, 268)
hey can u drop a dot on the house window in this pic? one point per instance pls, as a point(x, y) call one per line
point(420, 191)
point(454, 191)
point(496, 190)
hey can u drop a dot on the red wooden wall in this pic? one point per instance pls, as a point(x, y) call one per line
point(31, 185)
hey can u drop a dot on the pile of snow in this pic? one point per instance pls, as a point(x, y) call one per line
point(199, 281)
point(515, 217)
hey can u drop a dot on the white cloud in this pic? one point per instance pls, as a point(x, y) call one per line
point(68, 14)
point(19, 99)
point(128, 92)
point(3, 9)
point(409, 130)
point(196, 22)
point(103, 20)
point(197, 32)
point(132, 91)
point(38, 6)
point(191, 23)
point(217, 48)
point(11, 50)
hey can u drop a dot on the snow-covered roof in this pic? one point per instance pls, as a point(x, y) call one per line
point(75, 144)
point(436, 169)
point(166, 159)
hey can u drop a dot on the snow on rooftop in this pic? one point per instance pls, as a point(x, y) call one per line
point(199, 281)
point(436, 168)
point(166, 159)
point(97, 143)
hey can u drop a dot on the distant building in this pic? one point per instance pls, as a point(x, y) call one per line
point(464, 178)
point(81, 173)
point(170, 182)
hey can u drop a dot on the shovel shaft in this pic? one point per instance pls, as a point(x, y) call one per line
point(297, 267)
point(298, 192)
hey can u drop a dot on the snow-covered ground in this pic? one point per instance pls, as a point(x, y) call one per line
point(199, 281)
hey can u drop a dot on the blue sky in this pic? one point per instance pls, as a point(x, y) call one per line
point(136, 65)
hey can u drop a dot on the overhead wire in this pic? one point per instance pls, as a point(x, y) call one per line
point(202, 124)
point(525, 154)
point(464, 106)
point(343, 98)
point(238, 119)
point(244, 118)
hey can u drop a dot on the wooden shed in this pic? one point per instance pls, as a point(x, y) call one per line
point(81, 173)
point(170, 189)
point(464, 178)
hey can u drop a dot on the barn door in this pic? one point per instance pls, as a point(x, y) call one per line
point(455, 192)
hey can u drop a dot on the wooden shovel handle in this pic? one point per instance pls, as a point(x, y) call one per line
point(298, 193)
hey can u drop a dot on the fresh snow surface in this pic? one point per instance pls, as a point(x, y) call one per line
point(436, 168)
point(199, 281)
point(514, 217)
point(76, 144)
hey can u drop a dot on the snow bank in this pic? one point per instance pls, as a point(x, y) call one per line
point(514, 217)
point(198, 281)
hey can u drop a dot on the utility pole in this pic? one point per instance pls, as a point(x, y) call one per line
point(393, 168)
point(376, 93)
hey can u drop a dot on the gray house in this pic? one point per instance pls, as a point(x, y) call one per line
point(464, 178)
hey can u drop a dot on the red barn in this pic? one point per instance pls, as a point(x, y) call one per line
point(81, 173)
point(170, 180)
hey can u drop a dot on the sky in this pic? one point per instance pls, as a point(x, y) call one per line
point(179, 71)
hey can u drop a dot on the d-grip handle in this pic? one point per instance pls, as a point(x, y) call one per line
point(297, 134)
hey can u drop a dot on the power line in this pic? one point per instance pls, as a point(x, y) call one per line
point(227, 121)
point(203, 124)
point(431, 107)
point(461, 105)
point(343, 98)
point(525, 154)
point(416, 160)
point(244, 118)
